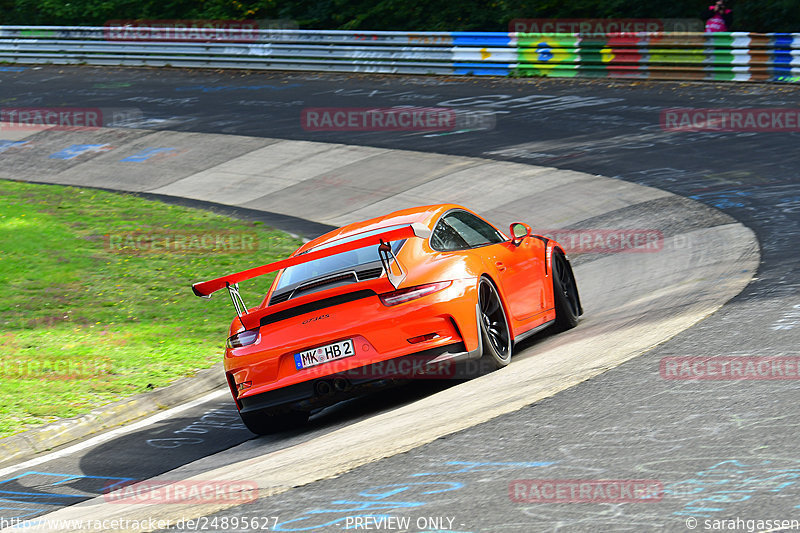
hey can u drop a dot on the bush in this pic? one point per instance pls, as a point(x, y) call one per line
point(409, 15)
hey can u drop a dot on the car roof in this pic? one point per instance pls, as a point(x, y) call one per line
point(426, 215)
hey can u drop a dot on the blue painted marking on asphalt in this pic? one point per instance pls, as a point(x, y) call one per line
point(477, 467)
point(401, 487)
point(69, 477)
point(722, 483)
point(77, 149)
point(33, 511)
point(146, 154)
point(5, 145)
point(33, 496)
point(41, 497)
point(723, 199)
point(13, 69)
point(308, 521)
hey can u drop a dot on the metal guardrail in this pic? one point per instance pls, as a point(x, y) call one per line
point(734, 56)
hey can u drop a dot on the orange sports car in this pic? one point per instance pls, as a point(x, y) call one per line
point(423, 292)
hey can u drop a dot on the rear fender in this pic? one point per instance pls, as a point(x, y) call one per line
point(503, 302)
point(469, 324)
point(552, 248)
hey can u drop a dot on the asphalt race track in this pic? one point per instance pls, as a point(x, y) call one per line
point(720, 449)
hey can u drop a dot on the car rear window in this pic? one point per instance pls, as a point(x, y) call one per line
point(299, 274)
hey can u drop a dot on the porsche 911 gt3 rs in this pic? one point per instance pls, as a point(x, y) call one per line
point(421, 292)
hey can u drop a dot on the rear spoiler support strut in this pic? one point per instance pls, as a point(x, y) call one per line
point(387, 260)
point(238, 302)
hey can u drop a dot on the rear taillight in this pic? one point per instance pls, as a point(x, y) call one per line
point(412, 293)
point(243, 338)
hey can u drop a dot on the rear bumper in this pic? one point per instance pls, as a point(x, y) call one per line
point(381, 336)
point(444, 362)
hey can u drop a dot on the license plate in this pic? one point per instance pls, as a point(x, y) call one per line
point(323, 354)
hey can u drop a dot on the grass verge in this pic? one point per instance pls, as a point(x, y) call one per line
point(97, 303)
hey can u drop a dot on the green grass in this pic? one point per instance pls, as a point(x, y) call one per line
point(125, 321)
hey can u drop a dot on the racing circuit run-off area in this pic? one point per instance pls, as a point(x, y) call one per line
point(261, 277)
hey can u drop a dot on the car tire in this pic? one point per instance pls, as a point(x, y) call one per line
point(494, 329)
point(262, 423)
point(565, 293)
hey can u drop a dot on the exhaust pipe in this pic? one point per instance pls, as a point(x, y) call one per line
point(341, 385)
point(323, 388)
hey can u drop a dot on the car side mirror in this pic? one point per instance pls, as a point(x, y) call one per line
point(519, 230)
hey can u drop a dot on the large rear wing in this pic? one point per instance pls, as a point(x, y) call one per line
point(206, 288)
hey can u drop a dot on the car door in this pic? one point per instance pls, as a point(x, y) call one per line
point(518, 268)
